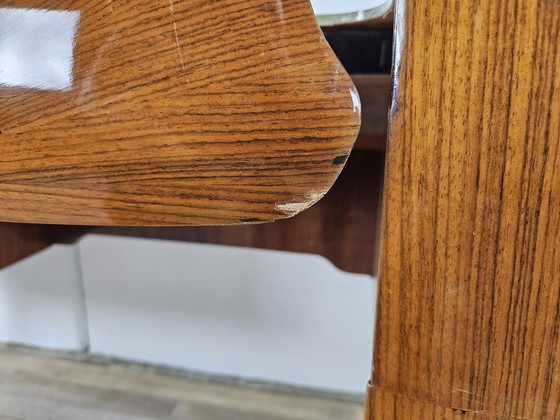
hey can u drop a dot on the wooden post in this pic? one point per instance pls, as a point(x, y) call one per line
point(469, 307)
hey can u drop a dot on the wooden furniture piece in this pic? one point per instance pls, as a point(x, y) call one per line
point(341, 227)
point(468, 311)
point(176, 112)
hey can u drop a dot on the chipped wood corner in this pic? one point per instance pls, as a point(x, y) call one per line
point(296, 206)
point(144, 134)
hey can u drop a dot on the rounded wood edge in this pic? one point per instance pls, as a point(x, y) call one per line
point(40, 198)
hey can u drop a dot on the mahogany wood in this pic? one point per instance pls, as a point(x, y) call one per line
point(375, 94)
point(18, 241)
point(469, 315)
point(180, 112)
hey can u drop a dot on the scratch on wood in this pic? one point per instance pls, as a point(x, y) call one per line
point(172, 10)
point(465, 412)
point(471, 397)
point(136, 144)
point(291, 208)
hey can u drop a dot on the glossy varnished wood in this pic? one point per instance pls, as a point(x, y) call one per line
point(469, 314)
point(343, 226)
point(179, 112)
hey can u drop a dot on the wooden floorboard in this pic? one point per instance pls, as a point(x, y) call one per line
point(38, 387)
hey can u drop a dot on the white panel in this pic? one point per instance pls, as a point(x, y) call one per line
point(41, 300)
point(257, 314)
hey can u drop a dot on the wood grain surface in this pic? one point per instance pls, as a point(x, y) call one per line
point(179, 112)
point(343, 226)
point(469, 307)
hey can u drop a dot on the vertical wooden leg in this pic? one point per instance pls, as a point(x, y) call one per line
point(468, 320)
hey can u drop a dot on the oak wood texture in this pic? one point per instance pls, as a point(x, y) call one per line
point(469, 314)
point(180, 112)
point(343, 226)
point(398, 406)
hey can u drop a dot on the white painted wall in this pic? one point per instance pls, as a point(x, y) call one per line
point(255, 314)
point(41, 301)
